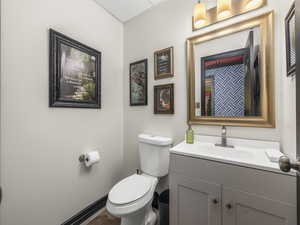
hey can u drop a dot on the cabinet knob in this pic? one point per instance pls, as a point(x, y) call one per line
point(228, 206)
point(215, 201)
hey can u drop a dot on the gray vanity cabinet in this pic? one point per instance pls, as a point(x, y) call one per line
point(205, 192)
point(241, 208)
point(196, 202)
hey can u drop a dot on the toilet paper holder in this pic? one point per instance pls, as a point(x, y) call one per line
point(89, 158)
point(82, 158)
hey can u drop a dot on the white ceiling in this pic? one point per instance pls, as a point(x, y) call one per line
point(124, 10)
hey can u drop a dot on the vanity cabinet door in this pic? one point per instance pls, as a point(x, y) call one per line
point(241, 208)
point(194, 202)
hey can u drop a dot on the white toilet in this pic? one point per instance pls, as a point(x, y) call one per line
point(131, 198)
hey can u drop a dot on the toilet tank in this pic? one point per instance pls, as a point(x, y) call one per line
point(154, 154)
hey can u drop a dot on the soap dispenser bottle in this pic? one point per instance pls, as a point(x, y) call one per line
point(190, 135)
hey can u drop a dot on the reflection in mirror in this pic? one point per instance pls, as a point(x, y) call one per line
point(228, 75)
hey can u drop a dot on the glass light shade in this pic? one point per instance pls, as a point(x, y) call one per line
point(224, 8)
point(253, 4)
point(199, 14)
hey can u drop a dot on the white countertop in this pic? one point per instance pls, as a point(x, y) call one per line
point(246, 155)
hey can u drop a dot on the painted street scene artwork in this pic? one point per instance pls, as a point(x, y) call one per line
point(138, 83)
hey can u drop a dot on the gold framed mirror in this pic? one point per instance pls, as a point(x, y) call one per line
point(231, 74)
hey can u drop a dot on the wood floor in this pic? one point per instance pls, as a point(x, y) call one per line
point(105, 219)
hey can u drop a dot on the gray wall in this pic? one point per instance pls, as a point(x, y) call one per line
point(42, 180)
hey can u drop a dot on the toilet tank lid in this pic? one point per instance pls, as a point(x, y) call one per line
point(155, 140)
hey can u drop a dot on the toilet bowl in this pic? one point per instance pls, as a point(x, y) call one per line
point(131, 198)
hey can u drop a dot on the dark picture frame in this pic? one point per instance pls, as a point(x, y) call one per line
point(290, 37)
point(164, 99)
point(74, 73)
point(164, 63)
point(138, 83)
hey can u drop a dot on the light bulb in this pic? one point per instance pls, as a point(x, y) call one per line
point(199, 14)
point(253, 4)
point(224, 8)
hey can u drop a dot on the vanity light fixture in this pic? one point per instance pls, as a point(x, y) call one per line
point(223, 9)
point(253, 4)
point(200, 14)
point(208, 12)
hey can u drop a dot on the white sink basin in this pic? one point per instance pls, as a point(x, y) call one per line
point(234, 153)
point(245, 153)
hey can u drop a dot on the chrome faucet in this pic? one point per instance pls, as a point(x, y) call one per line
point(224, 139)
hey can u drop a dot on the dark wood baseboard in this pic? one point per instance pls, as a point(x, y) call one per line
point(87, 212)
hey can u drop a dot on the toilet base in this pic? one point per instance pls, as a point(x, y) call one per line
point(145, 216)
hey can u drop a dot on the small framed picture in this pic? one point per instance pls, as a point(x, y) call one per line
point(164, 99)
point(290, 36)
point(164, 63)
point(74, 73)
point(138, 80)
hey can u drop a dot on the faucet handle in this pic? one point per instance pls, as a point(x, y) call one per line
point(223, 129)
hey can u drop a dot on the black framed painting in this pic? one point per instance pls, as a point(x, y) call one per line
point(138, 80)
point(74, 73)
point(164, 99)
point(290, 36)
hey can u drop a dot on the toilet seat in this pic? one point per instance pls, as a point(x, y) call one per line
point(129, 189)
point(120, 210)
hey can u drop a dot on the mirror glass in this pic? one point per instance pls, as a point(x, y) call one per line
point(228, 75)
